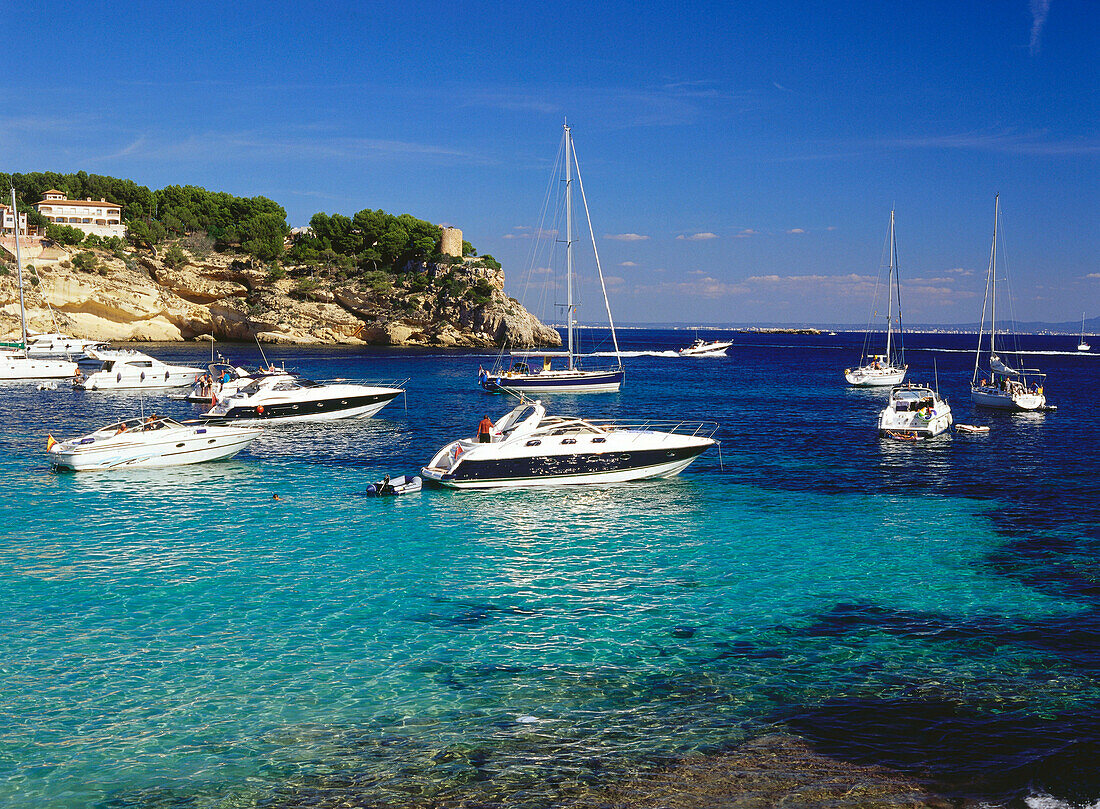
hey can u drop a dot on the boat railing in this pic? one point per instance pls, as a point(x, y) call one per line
point(704, 429)
point(377, 383)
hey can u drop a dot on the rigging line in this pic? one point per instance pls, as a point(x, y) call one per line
point(985, 306)
point(599, 269)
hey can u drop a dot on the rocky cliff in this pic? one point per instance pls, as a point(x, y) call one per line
point(138, 297)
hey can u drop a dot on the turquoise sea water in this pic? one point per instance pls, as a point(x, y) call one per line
point(177, 638)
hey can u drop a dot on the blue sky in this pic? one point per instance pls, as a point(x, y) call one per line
point(756, 148)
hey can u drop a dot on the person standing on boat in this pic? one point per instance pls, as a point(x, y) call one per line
point(485, 431)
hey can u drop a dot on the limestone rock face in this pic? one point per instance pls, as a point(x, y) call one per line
point(234, 298)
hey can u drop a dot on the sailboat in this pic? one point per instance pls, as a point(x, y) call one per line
point(1083, 346)
point(569, 377)
point(888, 368)
point(17, 363)
point(1001, 386)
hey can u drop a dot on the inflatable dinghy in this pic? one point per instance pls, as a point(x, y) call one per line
point(388, 487)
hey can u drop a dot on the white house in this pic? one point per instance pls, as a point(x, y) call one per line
point(7, 221)
point(101, 218)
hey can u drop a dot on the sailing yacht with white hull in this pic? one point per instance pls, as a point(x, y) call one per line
point(18, 363)
point(887, 369)
point(1000, 386)
point(520, 377)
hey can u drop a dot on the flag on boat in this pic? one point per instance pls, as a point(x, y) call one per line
point(50, 441)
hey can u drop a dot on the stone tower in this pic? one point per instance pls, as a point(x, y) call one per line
point(451, 244)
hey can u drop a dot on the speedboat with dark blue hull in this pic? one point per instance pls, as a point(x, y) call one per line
point(527, 447)
point(286, 398)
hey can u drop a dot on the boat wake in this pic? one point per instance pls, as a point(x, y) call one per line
point(636, 354)
point(1021, 351)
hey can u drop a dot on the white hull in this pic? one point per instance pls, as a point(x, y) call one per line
point(107, 380)
point(915, 425)
point(177, 446)
point(364, 412)
point(1084, 347)
point(665, 470)
point(714, 349)
point(999, 399)
point(20, 367)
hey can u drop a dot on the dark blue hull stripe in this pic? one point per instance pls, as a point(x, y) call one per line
point(291, 409)
point(494, 383)
point(551, 466)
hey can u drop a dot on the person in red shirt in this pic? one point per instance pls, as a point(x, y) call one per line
point(485, 430)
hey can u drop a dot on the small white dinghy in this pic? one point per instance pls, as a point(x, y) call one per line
point(971, 428)
point(391, 487)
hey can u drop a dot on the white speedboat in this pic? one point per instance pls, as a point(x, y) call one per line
point(886, 369)
point(282, 398)
point(151, 442)
point(530, 448)
point(135, 370)
point(706, 348)
point(1002, 387)
point(914, 412)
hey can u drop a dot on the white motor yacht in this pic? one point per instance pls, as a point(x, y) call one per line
point(706, 348)
point(151, 442)
point(914, 412)
point(135, 370)
point(283, 397)
point(530, 448)
point(55, 344)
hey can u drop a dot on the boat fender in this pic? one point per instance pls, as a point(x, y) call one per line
point(260, 409)
point(142, 378)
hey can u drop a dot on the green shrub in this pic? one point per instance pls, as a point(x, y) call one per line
point(276, 273)
point(86, 261)
point(64, 234)
point(174, 257)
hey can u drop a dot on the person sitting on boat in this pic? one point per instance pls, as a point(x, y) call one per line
point(385, 487)
point(485, 431)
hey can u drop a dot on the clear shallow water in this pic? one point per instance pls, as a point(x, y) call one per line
point(175, 637)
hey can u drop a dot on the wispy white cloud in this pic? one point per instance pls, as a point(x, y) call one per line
point(525, 232)
point(1093, 275)
point(796, 230)
point(960, 271)
point(628, 264)
point(698, 237)
point(626, 237)
point(1005, 141)
point(746, 233)
point(1039, 10)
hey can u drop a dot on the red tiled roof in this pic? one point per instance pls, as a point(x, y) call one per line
point(85, 202)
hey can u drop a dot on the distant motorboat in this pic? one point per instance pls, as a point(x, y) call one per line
point(148, 443)
point(705, 348)
point(914, 412)
point(888, 368)
point(527, 447)
point(132, 370)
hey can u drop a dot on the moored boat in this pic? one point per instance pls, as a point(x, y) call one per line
point(527, 447)
point(287, 398)
point(147, 443)
point(888, 368)
point(133, 370)
point(914, 412)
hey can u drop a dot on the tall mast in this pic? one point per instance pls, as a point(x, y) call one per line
point(890, 291)
point(993, 275)
point(19, 272)
point(569, 241)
